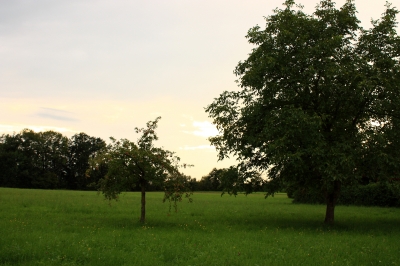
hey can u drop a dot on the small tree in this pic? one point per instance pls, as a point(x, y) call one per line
point(176, 186)
point(133, 164)
point(319, 100)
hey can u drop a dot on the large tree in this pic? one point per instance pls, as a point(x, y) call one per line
point(52, 153)
point(10, 158)
point(80, 149)
point(140, 164)
point(212, 181)
point(318, 100)
point(33, 160)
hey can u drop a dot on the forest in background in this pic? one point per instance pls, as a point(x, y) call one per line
point(50, 160)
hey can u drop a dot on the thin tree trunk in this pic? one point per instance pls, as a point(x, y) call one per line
point(331, 199)
point(143, 210)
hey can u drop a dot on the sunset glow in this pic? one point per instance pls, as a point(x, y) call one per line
point(106, 67)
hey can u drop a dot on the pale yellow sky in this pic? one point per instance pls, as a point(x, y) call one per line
point(106, 67)
point(178, 130)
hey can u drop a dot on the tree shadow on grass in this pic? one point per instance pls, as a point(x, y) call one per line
point(374, 225)
point(312, 222)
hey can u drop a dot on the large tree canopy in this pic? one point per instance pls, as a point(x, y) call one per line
point(318, 100)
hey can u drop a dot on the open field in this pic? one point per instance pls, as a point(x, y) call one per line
point(39, 227)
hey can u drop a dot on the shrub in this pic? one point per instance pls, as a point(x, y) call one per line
point(382, 194)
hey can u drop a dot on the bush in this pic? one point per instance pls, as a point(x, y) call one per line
point(382, 194)
point(308, 195)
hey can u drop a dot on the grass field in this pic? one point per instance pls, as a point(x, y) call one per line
point(48, 227)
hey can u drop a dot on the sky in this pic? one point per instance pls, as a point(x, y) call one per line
point(104, 67)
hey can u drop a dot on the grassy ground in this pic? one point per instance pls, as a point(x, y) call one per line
point(39, 227)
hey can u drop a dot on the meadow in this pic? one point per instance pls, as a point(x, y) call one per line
point(56, 227)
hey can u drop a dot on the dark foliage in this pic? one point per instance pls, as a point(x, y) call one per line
point(47, 160)
point(383, 194)
point(317, 106)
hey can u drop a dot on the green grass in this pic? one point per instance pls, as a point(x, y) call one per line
point(42, 227)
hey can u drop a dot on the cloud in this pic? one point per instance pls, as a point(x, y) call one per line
point(204, 129)
point(56, 110)
point(56, 114)
point(56, 117)
point(200, 147)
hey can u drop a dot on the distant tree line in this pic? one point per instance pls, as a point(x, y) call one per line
point(50, 160)
point(226, 181)
point(47, 160)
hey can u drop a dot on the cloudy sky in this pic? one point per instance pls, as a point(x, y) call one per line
point(105, 67)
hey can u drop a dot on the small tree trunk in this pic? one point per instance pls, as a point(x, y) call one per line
point(331, 199)
point(143, 210)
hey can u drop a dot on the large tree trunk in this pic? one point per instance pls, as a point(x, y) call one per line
point(143, 210)
point(331, 199)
